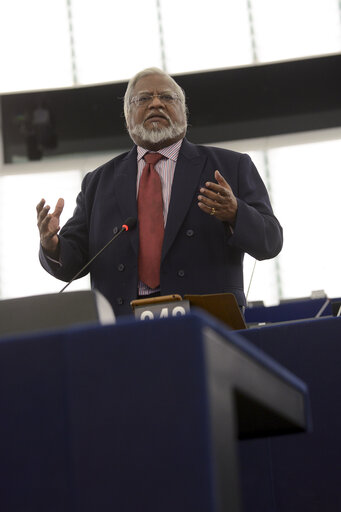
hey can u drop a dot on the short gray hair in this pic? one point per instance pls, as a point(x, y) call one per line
point(146, 72)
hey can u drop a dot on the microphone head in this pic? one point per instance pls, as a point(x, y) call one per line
point(129, 223)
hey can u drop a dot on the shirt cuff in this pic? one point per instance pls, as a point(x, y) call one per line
point(53, 260)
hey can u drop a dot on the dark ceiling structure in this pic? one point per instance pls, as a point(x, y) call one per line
point(225, 104)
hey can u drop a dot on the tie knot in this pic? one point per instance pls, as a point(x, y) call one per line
point(152, 158)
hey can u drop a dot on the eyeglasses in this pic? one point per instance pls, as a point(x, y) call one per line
point(143, 100)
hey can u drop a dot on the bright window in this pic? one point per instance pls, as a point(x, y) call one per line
point(54, 43)
point(113, 41)
point(286, 29)
point(205, 35)
point(20, 270)
point(306, 184)
point(34, 45)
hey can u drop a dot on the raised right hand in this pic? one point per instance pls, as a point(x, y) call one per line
point(48, 225)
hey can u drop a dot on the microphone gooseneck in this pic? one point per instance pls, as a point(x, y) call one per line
point(129, 223)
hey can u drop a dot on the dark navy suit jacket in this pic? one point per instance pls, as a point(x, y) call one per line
point(200, 253)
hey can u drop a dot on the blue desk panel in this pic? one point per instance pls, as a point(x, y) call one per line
point(303, 472)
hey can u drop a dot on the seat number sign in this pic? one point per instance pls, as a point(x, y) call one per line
point(162, 310)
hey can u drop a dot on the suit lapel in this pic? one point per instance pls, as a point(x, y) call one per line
point(125, 191)
point(185, 186)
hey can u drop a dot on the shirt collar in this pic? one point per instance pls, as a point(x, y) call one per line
point(170, 152)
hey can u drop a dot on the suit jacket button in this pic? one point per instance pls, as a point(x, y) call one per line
point(120, 267)
point(119, 301)
point(115, 230)
point(181, 273)
point(190, 232)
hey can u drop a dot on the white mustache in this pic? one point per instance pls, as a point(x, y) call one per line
point(158, 114)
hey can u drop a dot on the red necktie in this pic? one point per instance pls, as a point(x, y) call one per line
point(151, 223)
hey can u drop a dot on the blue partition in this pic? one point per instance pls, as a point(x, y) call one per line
point(303, 473)
point(292, 310)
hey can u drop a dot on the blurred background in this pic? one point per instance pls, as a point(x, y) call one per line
point(261, 76)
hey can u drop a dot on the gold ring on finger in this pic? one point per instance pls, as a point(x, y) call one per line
point(212, 211)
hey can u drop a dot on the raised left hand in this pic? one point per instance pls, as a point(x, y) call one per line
point(218, 200)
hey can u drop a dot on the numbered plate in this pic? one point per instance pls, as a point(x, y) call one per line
point(162, 310)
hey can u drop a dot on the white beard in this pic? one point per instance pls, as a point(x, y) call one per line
point(157, 133)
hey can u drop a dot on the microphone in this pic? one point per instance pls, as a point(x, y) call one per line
point(321, 310)
point(129, 223)
point(251, 278)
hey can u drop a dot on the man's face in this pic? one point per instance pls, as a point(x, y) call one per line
point(157, 124)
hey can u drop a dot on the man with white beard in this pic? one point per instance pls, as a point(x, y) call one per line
point(199, 209)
